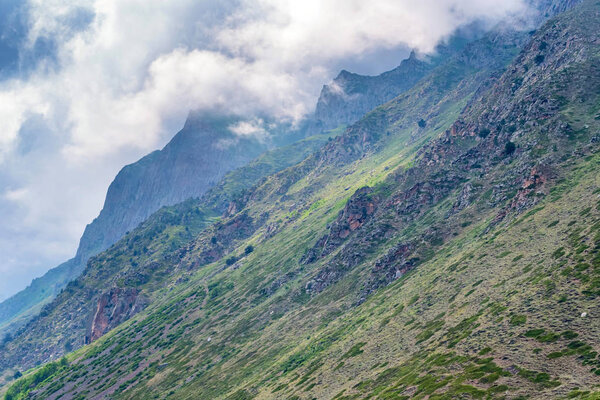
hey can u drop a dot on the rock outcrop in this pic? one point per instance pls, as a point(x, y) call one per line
point(358, 210)
point(114, 306)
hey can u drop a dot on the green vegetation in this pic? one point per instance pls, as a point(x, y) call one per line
point(473, 282)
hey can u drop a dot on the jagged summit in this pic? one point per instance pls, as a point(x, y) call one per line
point(191, 163)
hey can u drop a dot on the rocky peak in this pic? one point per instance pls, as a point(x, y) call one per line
point(190, 164)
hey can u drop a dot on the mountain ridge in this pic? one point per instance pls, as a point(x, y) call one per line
point(386, 264)
point(357, 140)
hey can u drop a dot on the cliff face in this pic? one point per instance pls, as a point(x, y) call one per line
point(349, 96)
point(191, 163)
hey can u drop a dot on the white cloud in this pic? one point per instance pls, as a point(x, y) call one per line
point(253, 128)
point(126, 80)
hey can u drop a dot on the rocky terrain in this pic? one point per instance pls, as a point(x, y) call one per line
point(445, 245)
point(194, 161)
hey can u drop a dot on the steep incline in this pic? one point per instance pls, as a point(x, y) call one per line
point(287, 209)
point(467, 269)
point(195, 160)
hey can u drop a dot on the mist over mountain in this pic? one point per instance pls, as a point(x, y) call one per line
point(431, 232)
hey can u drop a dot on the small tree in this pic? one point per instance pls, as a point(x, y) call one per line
point(539, 59)
point(249, 249)
point(483, 132)
point(231, 260)
point(509, 148)
point(422, 123)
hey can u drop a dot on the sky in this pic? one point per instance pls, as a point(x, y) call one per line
point(88, 86)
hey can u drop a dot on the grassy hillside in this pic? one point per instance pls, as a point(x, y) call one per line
point(445, 246)
point(169, 229)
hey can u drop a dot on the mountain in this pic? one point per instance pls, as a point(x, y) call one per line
point(195, 160)
point(183, 169)
point(446, 245)
point(350, 96)
point(171, 173)
point(192, 162)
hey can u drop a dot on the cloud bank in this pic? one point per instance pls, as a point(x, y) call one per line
point(118, 77)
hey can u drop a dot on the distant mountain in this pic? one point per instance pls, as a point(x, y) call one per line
point(349, 96)
point(191, 163)
point(195, 160)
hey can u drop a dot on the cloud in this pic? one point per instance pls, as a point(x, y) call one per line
point(253, 128)
point(123, 74)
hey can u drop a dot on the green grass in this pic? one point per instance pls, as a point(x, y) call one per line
point(467, 321)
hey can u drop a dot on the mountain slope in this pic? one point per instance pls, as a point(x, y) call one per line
point(364, 154)
point(179, 171)
point(168, 229)
point(195, 160)
point(467, 269)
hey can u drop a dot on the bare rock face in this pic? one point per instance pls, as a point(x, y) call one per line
point(393, 265)
point(358, 210)
point(190, 164)
point(534, 184)
point(114, 306)
point(349, 96)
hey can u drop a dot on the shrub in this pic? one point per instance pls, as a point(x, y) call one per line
point(534, 332)
point(509, 148)
point(231, 260)
point(354, 350)
point(483, 133)
point(539, 59)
